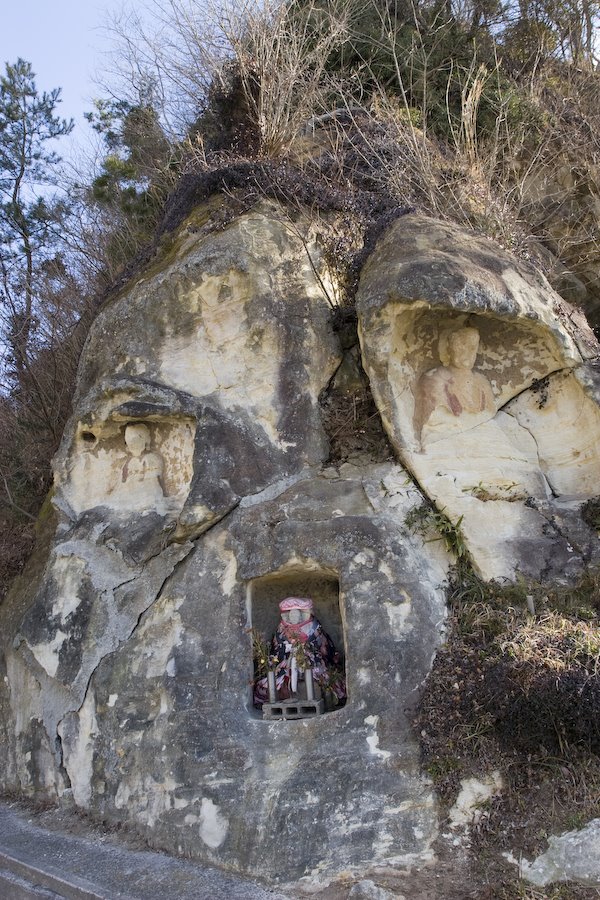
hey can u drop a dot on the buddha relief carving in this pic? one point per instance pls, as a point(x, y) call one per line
point(141, 481)
point(453, 397)
point(131, 467)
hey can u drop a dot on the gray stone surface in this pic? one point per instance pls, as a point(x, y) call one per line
point(14, 888)
point(421, 259)
point(196, 485)
point(37, 863)
point(572, 856)
point(317, 789)
point(127, 650)
point(368, 890)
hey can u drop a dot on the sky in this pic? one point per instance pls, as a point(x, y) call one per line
point(64, 42)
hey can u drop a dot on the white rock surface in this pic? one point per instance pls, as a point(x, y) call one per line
point(368, 890)
point(188, 502)
point(480, 374)
point(474, 794)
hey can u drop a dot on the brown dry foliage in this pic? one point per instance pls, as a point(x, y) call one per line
point(521, 694)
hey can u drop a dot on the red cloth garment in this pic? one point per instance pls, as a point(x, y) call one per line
point(304, 603)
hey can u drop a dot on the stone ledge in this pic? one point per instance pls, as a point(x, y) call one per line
point(15, 888)
point(27, 879)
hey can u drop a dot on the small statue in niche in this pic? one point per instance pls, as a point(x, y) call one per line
point(300, 643)
point(141, 483)
point(453, 397)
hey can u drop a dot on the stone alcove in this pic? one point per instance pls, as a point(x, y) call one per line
point(265, 593)
point(131, 465)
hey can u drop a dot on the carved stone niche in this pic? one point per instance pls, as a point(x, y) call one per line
point(263, 597)
point(130, 465)
point(509, 355)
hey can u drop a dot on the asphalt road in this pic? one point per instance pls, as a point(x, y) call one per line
point(51, 865)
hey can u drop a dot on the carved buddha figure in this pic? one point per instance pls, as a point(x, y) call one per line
point(141, 475)
point(453, 397)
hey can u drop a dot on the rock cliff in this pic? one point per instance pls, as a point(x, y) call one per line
point(195, 487)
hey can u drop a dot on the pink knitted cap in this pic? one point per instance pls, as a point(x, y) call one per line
point(295, 603)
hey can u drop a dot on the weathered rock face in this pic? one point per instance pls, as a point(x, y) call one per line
point(191, 497)
point(485, 381)
point(193, 492)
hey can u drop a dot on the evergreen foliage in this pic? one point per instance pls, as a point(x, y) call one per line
point(133, 180)
point(29, 220)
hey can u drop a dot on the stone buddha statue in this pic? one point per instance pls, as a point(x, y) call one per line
point(301, 643)
point(141, 475)
point(453, 397)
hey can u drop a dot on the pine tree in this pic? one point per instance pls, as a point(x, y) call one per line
point(31, 214)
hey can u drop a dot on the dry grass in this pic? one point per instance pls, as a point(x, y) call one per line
point(521, 693)
point(353, 426)
point(556, 643)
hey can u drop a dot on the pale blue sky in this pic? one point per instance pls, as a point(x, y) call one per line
point(63, 41)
